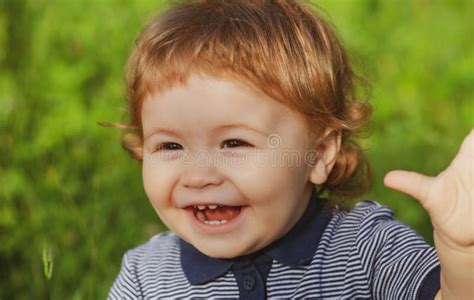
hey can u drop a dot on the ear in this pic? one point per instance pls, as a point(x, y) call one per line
point(327, 149)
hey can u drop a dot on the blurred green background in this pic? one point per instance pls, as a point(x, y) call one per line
point(68, 188)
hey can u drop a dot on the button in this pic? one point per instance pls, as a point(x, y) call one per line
point(249, 283)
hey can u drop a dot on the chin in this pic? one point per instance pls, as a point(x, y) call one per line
point(221, 251)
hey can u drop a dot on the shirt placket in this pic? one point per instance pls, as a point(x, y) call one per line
point(250, 282)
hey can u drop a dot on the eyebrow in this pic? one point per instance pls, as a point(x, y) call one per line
point(219, 128)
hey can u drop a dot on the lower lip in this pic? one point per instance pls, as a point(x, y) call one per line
point(218, 228)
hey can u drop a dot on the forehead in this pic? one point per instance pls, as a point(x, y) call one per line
point(205, 101)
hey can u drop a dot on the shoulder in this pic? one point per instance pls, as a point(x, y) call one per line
point(364, 215)
point(372, 216)
point(162, 246)
point(142, 265)
point(159, 253)
point(368, 222)
point(377, 219)
point(373, 233)
point(369, 209)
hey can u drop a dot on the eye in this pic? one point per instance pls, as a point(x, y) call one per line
point(234, 143)
point(169, 146)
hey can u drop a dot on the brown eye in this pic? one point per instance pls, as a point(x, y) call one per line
point(234, 143)
point(169, 146)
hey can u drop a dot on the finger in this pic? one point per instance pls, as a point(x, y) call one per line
point(410, 183)
point(467, 146)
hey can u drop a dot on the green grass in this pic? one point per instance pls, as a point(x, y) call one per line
point(72, 198)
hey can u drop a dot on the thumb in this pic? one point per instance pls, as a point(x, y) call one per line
point(410, 183)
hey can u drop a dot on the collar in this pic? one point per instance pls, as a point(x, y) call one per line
point(295, 248)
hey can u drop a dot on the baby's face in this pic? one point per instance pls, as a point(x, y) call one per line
point(224, 166)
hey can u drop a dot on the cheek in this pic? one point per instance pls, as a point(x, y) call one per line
point(157, 181)
point(267, 178)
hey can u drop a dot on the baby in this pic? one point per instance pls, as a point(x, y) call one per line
point(244, 115)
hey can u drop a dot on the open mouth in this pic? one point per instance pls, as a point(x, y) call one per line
point(215, 214)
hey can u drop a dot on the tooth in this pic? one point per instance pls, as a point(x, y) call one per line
point(212, 206)
point(201, 207)
point(214, 222)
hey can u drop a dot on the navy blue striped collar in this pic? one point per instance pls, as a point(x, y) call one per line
point(296, 248)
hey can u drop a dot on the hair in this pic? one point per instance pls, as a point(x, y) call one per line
point(282, 48)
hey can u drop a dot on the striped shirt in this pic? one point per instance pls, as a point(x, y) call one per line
point(363, 253)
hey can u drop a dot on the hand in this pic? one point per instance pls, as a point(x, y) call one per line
point(449, 200)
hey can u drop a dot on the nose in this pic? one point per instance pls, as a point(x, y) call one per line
point(199, 177)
